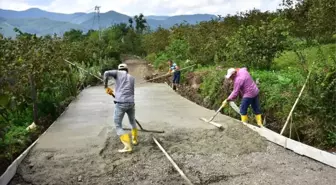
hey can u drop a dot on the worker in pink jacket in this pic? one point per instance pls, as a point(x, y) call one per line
point(244, 84)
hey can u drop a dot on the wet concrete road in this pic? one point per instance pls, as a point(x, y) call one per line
point(80, 147)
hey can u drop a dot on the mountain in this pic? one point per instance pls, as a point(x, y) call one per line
point(42, 26)
point(191, 19)
point(157, 17)
point(106, 19)
point(6, 29)
point(42, 22)
point(76, 18)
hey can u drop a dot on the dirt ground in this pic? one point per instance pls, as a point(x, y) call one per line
point(80, 151)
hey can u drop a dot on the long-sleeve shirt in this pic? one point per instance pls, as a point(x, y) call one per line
point(124, 85)
point(244, 84)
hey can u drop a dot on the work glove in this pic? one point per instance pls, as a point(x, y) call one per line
point(224, 103)
point(109, 91)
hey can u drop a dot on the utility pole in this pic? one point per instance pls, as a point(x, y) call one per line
point(97, 10)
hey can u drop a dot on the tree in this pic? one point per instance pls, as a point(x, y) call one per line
point(141, 23)
point(73, 35)
point(256, 47)
point(130, 22)
point(156, 41)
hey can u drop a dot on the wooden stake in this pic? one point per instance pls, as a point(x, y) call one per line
point(173, 163)
point(297, 100)
point(34, 97)
point(290, 128)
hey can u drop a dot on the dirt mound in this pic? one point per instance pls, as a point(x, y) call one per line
point(140, 69)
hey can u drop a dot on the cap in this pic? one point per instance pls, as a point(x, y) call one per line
point(122, 66)
point(229, 73)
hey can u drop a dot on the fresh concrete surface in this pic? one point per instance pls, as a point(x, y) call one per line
point(81, 147)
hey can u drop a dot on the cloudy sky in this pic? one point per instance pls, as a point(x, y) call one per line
point(147, 7)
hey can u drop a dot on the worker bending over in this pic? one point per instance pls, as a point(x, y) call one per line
point(124, 103)
point(244, 84)
point(173, 68)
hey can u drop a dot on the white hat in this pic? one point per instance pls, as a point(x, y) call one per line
point(122, 66)
point(229, 73)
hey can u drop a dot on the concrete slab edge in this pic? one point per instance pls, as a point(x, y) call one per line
point(7, 176)
point(297, 147)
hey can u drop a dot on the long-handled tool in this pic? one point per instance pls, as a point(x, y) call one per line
point(210, 120)
point(173, 162)
point(142, 129)
point(84, 70)
point(165, 75)
point(234, 107)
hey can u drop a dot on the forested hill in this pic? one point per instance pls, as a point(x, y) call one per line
point(40, 22)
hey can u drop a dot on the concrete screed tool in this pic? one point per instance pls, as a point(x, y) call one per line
point(210, 120)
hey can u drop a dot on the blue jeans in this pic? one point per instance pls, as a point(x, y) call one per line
point(176, 77)
point(119, 112)
point(246, 102)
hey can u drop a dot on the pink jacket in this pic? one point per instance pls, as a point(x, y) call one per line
point(244, 84)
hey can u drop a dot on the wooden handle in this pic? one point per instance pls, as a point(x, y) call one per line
point(173, 163)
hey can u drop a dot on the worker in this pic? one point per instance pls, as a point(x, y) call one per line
point(244, 84)
point(173, 68)
point(124, 103)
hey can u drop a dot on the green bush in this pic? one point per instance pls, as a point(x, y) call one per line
point(278, 49)
point(161, 61)
point(41, 60)
point(14, 142)
point(151, 57)
point(256, 47)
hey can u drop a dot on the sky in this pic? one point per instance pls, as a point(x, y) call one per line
point(147, 7)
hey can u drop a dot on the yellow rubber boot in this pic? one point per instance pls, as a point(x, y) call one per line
point(244, 118)
point(259, 120)
point(135, 136)
point(125, 139)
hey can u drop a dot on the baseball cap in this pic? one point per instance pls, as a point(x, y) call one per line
point(229, 73)
point(122, 66)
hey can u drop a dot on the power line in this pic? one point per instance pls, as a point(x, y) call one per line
point(94, 18)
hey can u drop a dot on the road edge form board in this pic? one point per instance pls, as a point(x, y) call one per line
point(7, 176)
point(297, 147)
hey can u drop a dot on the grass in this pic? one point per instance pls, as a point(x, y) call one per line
point(290, 60)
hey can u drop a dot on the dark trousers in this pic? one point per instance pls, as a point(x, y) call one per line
point(176, 77)
point(246, 102)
